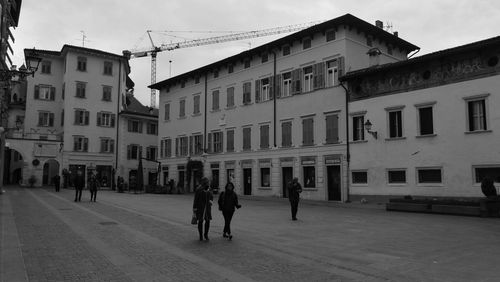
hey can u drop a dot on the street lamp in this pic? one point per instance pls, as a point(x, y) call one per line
point(368, 127)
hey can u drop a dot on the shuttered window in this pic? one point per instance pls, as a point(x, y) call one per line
point(332, 129)
point(358, 128)
point(477, 115)
point(230, 97)
point(230, 141)
point(196, 104)
point(264, 136)
point(286, 134)
point(247, 92)
point(395, 124)
point(215, 100)
point(308, 131)
point(247, 138)
point(45, 119)
point(167, 112)
point(81, 117)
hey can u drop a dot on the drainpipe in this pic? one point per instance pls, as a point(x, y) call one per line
point(205, 117)
point(117, 122)
point(274, 96)
point(348, 153)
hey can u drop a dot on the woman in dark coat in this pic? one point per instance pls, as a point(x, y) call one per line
point(202, 204)
point(93, 186)
point(228, 201)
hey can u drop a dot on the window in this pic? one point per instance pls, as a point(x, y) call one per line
point(265, 177)
point(80, 89)
point(45, 92)
point(332, 128)
point(425, 120)
point(369, 41)
point(215, 100)
point(108, 68)
point(308, 131)
point(359, 177)
point(230, 97)
point(80, 144)
point(167, 112)
point(134, 152)
point(182, 108)
point(395, 124)
point(247, 131)
point(198, 144)
point(107, 145)
point(216, 73)
point(286, 84)
point(264, 89)
point(286, 50)
point(81, 64)
point(429, 175)
point(196, 104)
point(332, 73)
point(477, 115)
point(105, 119)
point(106, 93)
point(265, 57)
point(218, 144)
point(230, 68)
point(358, 128)
point(230, 140)
point(247, 87)
point(183, 84)
point(264, 136)
point(45, 119)
point(62, 118)
point(81, 117)
point(151, 153)
point(181, 146)
point(396, 176)
point(491, 172)
point(247, 64)
point(308, 79)
point(286, 134)
point(306, 43)
point(63, 90)
point(46, 67)
point(309, 176)
point(196, 80)
point(166, 148)
point(134, 126)
point(330, 35)
point(152, 128)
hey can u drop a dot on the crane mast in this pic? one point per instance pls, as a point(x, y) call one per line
point(153, 51)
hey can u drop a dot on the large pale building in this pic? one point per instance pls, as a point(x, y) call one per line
point(274, 112)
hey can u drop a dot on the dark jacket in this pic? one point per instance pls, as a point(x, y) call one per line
point(228, 201)
point(294, 189)
point(79, 182)
point(93, 184)
point(202, 203)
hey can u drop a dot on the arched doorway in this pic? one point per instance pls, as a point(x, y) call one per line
point(50, 169)
point(13, 166)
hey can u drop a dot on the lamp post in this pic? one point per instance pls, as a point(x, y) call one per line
point(32, 62)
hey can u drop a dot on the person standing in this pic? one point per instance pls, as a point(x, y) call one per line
point(57, 182)
point(294, 190)
point(202, 204)
point(79, 184)
point(228, 201)
point(93, 187)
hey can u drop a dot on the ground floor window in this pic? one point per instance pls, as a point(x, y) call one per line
point(265, 177)
point(492, 172)
point(230, 175)
point(360, 177)
point(396, 176)
point(309, 176)
point(429, 175)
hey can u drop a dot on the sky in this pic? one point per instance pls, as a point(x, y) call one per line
point(117, 25)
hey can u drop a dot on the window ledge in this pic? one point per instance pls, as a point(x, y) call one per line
point(184, 117)
point(265, 149)
point(265, 188)
point(214, 111)
point(430, 185)
point(426, 136)
point(332, 143)
point(230, 107)
point(360, 184)
point(166, 120)
point(395, 138)
point(195, 115)
point(307, 145)
point(247, 104)
point(478, 131)
point(359, 141)
point(397, 184)
point(310, 189)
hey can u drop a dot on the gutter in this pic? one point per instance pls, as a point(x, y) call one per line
point(117, 122)
point(205, 118)
point(348, 153)
point(275, 93)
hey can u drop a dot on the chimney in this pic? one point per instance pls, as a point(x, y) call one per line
point(396, 34)
point(374, 54)
point(13, 67)
point(379, 24)
point(127, 54)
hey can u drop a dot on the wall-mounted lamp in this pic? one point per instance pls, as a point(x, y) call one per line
point(368, 127)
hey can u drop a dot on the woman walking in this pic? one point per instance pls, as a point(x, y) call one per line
point(228, 201)
point(93, 186)
point(202, 204)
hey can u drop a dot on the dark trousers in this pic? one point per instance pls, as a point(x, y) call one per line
point(295, 206)
point(228, 215)
point(93, 195)
point(200, 227)
point(78, 194)
point(57, 187)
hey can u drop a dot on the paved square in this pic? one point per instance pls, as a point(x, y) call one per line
point(45, 236)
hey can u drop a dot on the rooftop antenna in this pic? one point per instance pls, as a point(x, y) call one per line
point(170, 69)
point(388, 27)
point(83, 38)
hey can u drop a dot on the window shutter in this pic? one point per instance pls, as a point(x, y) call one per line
point(76, 117)
point(177, 146)
point(139, 153)
point(103, 144)
point(278, 85)
point(98, 119)
point(191, 145)
point(332, 129)
point(87, 118)
point(271, 87)
point(40, 119)
point(128, 152)
point(221, 142)
point(319, 75)
point(483, 108)
point(112, 146)
point(162, 147)
point(296, 79)
point(140, 126)
point(52, 93)
point(209, 147)
point(85, 144)
point(51, 119)
point(257, 90)
point(37, 92)
point(113, 120)
point(341, 63)
point(75, 144)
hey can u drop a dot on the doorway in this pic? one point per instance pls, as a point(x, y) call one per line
point(287, 176)
point(334, 193)
point(247, 181)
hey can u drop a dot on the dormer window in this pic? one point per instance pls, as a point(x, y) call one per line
point(306, 43)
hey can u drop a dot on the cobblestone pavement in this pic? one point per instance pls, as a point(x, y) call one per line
point(143, 237)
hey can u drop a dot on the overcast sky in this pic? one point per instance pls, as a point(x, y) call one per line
point(116, 25)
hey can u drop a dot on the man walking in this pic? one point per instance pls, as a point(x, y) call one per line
point(79, 183)
point(57, 182)
point(294, 190)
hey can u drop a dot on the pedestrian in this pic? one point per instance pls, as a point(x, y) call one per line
point(202, 203)
point(228, 201)
point(120, 184)
point(93, 187)
point(57, 182)
point(294, 190)
point(79, 184)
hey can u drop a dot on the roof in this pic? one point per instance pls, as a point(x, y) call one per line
point(424, 58)
point(137, 108)
point(346, 19)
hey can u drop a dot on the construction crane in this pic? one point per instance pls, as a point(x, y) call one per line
point(153, 51)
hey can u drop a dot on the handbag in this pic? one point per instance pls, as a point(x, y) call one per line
point(194, 220)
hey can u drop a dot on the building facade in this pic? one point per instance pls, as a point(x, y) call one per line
point(436, 123)
point(71, 115)
point(272, 113)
